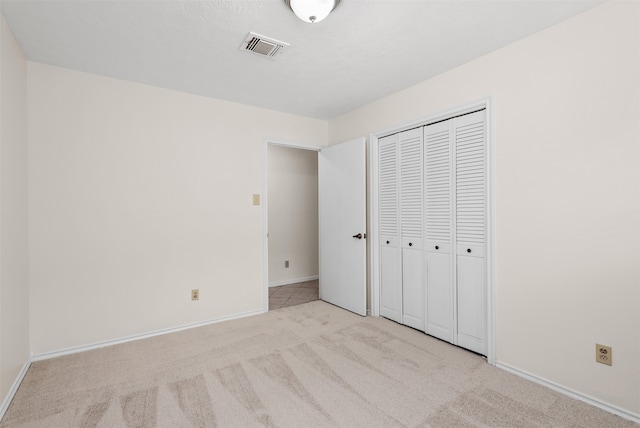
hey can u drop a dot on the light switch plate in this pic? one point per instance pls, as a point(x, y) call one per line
point(256, 199)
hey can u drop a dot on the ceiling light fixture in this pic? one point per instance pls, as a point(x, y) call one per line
point(312, 10)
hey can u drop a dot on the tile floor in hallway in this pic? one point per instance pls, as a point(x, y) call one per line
point(292, 294)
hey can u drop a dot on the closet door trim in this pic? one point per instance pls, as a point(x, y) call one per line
point(485, 104)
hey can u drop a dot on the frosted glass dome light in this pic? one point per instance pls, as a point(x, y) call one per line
point(312, 10)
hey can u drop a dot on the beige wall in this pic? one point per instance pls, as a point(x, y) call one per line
point(137, 195)
point(566, 192)
point(14, 291)
point(293, 213)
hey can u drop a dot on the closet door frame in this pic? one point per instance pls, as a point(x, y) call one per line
point(485, 104)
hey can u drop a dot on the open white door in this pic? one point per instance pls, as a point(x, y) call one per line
point(342, 225)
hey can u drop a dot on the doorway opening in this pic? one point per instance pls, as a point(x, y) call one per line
point(291, 225)
point(341, 217)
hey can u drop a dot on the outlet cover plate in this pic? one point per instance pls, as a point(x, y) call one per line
point(604, 354)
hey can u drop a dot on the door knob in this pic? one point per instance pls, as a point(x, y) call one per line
point(410, 244)
point(359, 236)
point(437, 248)
point(468, 250)
point(387, 242)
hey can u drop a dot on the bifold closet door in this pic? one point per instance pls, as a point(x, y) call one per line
point(470, 225)
point(439, 293)
point(390, 248)
point(433, 223)
point(411, 179)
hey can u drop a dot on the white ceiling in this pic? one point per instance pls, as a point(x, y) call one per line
point(364, 50)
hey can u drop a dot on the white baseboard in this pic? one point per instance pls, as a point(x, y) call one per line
point(96, 345)
point(14, 388)
point(571, 393)
point(293, 281)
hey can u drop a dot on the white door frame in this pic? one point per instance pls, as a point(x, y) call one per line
point(374, 273)
point(265, 208)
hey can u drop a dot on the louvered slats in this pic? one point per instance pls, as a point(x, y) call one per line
point(470, 191)
point(411, 184)
point(388, 190)
point(437, 185)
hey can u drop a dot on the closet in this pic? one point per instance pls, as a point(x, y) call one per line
point(432, 229)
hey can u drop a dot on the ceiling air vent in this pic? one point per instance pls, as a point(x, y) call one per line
point(262, 45)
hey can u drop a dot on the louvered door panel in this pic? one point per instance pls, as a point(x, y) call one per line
point(470, 222)
point(411, 185)
point(388, 197)
point(438, 227)
point(389, 234)
point(470, 179)
point(411, 182)
point(438, 183)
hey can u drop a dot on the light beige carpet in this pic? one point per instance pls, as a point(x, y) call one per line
point(312, 365)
